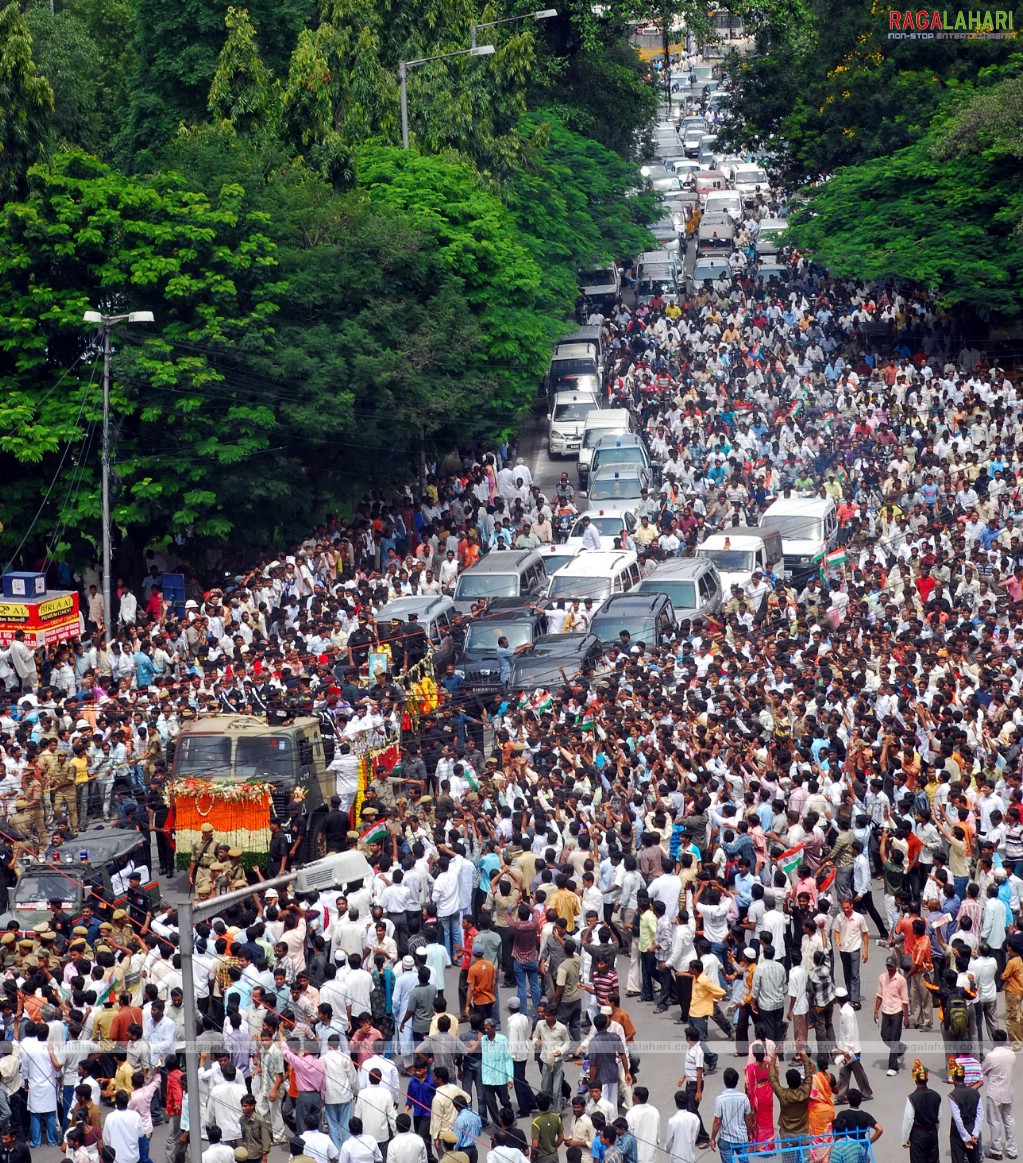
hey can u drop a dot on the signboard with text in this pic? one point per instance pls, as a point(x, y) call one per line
point(55, 618)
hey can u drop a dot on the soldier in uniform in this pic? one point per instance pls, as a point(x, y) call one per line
point(44, 769)
point(25, 958)
point(8, 950)
point(62, 778)
point(137, 902)
point(218, 878)
point(203, 856)
point(236, 874)
point(35, 791)
point(21, 824)
point(120, 930)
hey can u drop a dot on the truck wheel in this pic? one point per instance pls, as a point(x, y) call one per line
point(316, 841)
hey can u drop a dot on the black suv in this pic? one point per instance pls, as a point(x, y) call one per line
point(648, 618)
point(554, 660)
point(477, 663)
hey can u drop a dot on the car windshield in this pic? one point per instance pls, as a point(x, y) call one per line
point(563, 586)
point(682, 593)
point(266, 755)
point(729, 560)
point(605, 526)
point(607, 627)
point(552, 649)
point(36, 889)
point(706, 273)
point(202, 755)
point(577, 411)
point(481, 637)
point(562, 369)
point(615, 489)
point(622, 454)
point(794, 526)
point(486, 585)
point(554, 561)
point(752, 175)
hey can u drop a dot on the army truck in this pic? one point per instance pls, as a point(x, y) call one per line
point(287, 756)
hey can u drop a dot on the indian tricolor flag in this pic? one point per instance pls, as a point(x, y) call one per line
point(542, 701)
point(789, 861)
point(835, 559)
point(373, 833)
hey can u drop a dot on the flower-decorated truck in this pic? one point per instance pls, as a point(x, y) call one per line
point(237, 772)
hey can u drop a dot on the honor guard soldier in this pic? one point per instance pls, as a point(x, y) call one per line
point(137, 903)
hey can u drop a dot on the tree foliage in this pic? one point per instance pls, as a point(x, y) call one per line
point(945, 213)
point(26, 102)
point(87, 237)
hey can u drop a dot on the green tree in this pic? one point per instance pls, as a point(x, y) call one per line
point(65, 55)
point(26, 102)
point(942, 214)
point(243, 90)
point(187, 438)
point(176, 51)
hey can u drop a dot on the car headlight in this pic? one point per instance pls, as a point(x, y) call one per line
point(459, 673)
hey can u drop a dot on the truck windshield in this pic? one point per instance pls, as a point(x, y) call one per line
point(36, 889)
point(265, 755)
point(203, 755)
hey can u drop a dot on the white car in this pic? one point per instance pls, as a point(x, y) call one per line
point(608, 525)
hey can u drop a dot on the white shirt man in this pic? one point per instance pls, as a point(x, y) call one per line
point(680, 1136)
point(644, 1121)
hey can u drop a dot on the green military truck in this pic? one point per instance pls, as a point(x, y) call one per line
point(235, 749)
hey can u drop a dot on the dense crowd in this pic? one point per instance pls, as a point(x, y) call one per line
point(729, 819)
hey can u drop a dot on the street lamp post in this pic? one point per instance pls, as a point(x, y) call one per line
point(108, 322)
point(543, 14)
point(482, 50)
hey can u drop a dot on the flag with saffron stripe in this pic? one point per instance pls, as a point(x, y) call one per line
point(789, 861)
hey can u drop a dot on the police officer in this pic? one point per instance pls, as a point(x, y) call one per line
point(236, 874)
point(203, 857)
point(139, 906)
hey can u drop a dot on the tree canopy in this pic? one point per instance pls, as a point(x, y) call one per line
point(328, 308)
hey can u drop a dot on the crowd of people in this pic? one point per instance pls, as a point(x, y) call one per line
point(730, 826)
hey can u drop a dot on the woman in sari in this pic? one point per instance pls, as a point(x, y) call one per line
point(821, 1111)
point(760, 1095)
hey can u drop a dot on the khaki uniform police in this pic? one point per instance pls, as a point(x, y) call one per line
point(236, 874)
point(203, 857)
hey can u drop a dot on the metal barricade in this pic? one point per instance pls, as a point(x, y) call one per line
point(806, 1149)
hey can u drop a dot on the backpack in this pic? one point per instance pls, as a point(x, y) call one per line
point(957, 1016)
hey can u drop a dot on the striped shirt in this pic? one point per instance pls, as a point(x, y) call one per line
point(731, 1107)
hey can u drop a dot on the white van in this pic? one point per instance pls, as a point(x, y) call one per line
point(808, 528)
point(728, 201)
point(566, 418)
point(737, 552)
point(606, 422)
point(596, 574)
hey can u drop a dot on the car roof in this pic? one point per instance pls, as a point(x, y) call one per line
point(101, 846)
point(573, 643)
point(597, 563)
point(799, 505)
point(611, 472)
point(679, 567)
point(619, 440)
point(426, 607)
point(631, 601)
point(502, 561)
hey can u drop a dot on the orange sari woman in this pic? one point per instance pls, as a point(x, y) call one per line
point(821, 1112)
